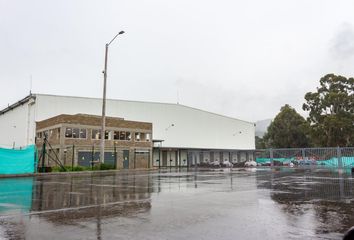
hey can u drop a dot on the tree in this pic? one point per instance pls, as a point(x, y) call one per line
point(260, 144)
point(288, 130)
point(331, 112)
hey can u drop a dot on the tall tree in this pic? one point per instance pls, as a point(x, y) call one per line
point(260, 144)
point(331, 111)
point(288, 130)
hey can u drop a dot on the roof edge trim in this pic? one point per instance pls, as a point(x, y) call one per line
point(17, 104)
point(174, 104)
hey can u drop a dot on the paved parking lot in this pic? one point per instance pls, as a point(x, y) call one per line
point(242, 204)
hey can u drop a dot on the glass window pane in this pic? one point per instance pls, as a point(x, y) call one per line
point(148, 137)
point(122, 135)
point(76, 133)
point(137, 136)
point(106, 135)
point(128, 136)
point(96, 134)
point(68, 133)
point(83, 133)
point(116, 135)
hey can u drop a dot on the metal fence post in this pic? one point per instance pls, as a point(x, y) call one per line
point(134, 157)
point(195, 162)
point(72, 159)
point(159, 158)
point(339, 157)
point(92, 156)
point(149, 160)
point(43, 153)
point(303, 153)
point(35, 163)
point(115, 156)
point(271, 157)
point(179, 158)
point(170, 159)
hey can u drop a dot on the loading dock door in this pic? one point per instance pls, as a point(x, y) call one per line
point(85, 158)
point(164, 159)
point(126, 159)
point(109, 158)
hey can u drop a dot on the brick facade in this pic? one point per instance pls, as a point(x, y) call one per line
point(134, 140)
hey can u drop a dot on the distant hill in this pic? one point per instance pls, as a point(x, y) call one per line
point(261, 127)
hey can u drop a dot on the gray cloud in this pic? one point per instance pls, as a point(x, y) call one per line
point(342, 45)
point(240, 102)
point(244, 59)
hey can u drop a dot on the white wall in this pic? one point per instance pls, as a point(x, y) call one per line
point(192, 128)
point(17, 126)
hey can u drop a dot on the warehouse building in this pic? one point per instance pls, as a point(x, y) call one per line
point(181, 135)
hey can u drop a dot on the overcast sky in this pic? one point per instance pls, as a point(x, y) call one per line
point(244, 59)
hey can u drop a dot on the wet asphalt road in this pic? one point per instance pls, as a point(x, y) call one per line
point(243, 204)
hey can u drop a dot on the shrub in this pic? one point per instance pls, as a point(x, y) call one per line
point(78, 168)
point(59, 169)
point(56, 169)
point(105, 166)
point(97, 167)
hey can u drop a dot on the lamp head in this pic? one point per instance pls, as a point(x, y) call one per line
point(121, 32)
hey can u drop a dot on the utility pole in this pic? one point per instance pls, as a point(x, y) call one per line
point(103, 130)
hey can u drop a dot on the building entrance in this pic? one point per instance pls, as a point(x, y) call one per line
point(126, 159)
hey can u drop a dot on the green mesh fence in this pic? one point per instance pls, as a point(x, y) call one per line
point(268, 160)
point(18, 161)
point(333, 162)
point(15, 195)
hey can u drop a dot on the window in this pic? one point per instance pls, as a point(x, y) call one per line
point(121, 135)
point(116, 135)
point(148, 137)
point(76, 133)
point(128, 136)
point(96, 134)
point(107, 135)
point(39, 135)
point(68, 133)
point(144, 137)
point(83, 133)
point(137, 136)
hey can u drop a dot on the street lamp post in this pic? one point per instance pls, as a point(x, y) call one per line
point(103, 130)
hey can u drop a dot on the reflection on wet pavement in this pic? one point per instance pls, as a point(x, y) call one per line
point(262, 204)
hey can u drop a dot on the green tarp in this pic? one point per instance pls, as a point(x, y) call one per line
point(15, 195)
point(18, 161)
point(267, 160)
point(346, 161)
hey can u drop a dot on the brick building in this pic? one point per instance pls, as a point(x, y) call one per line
point(75, 140)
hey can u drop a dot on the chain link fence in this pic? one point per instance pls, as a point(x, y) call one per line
point(88, 156)
point(333, 157)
